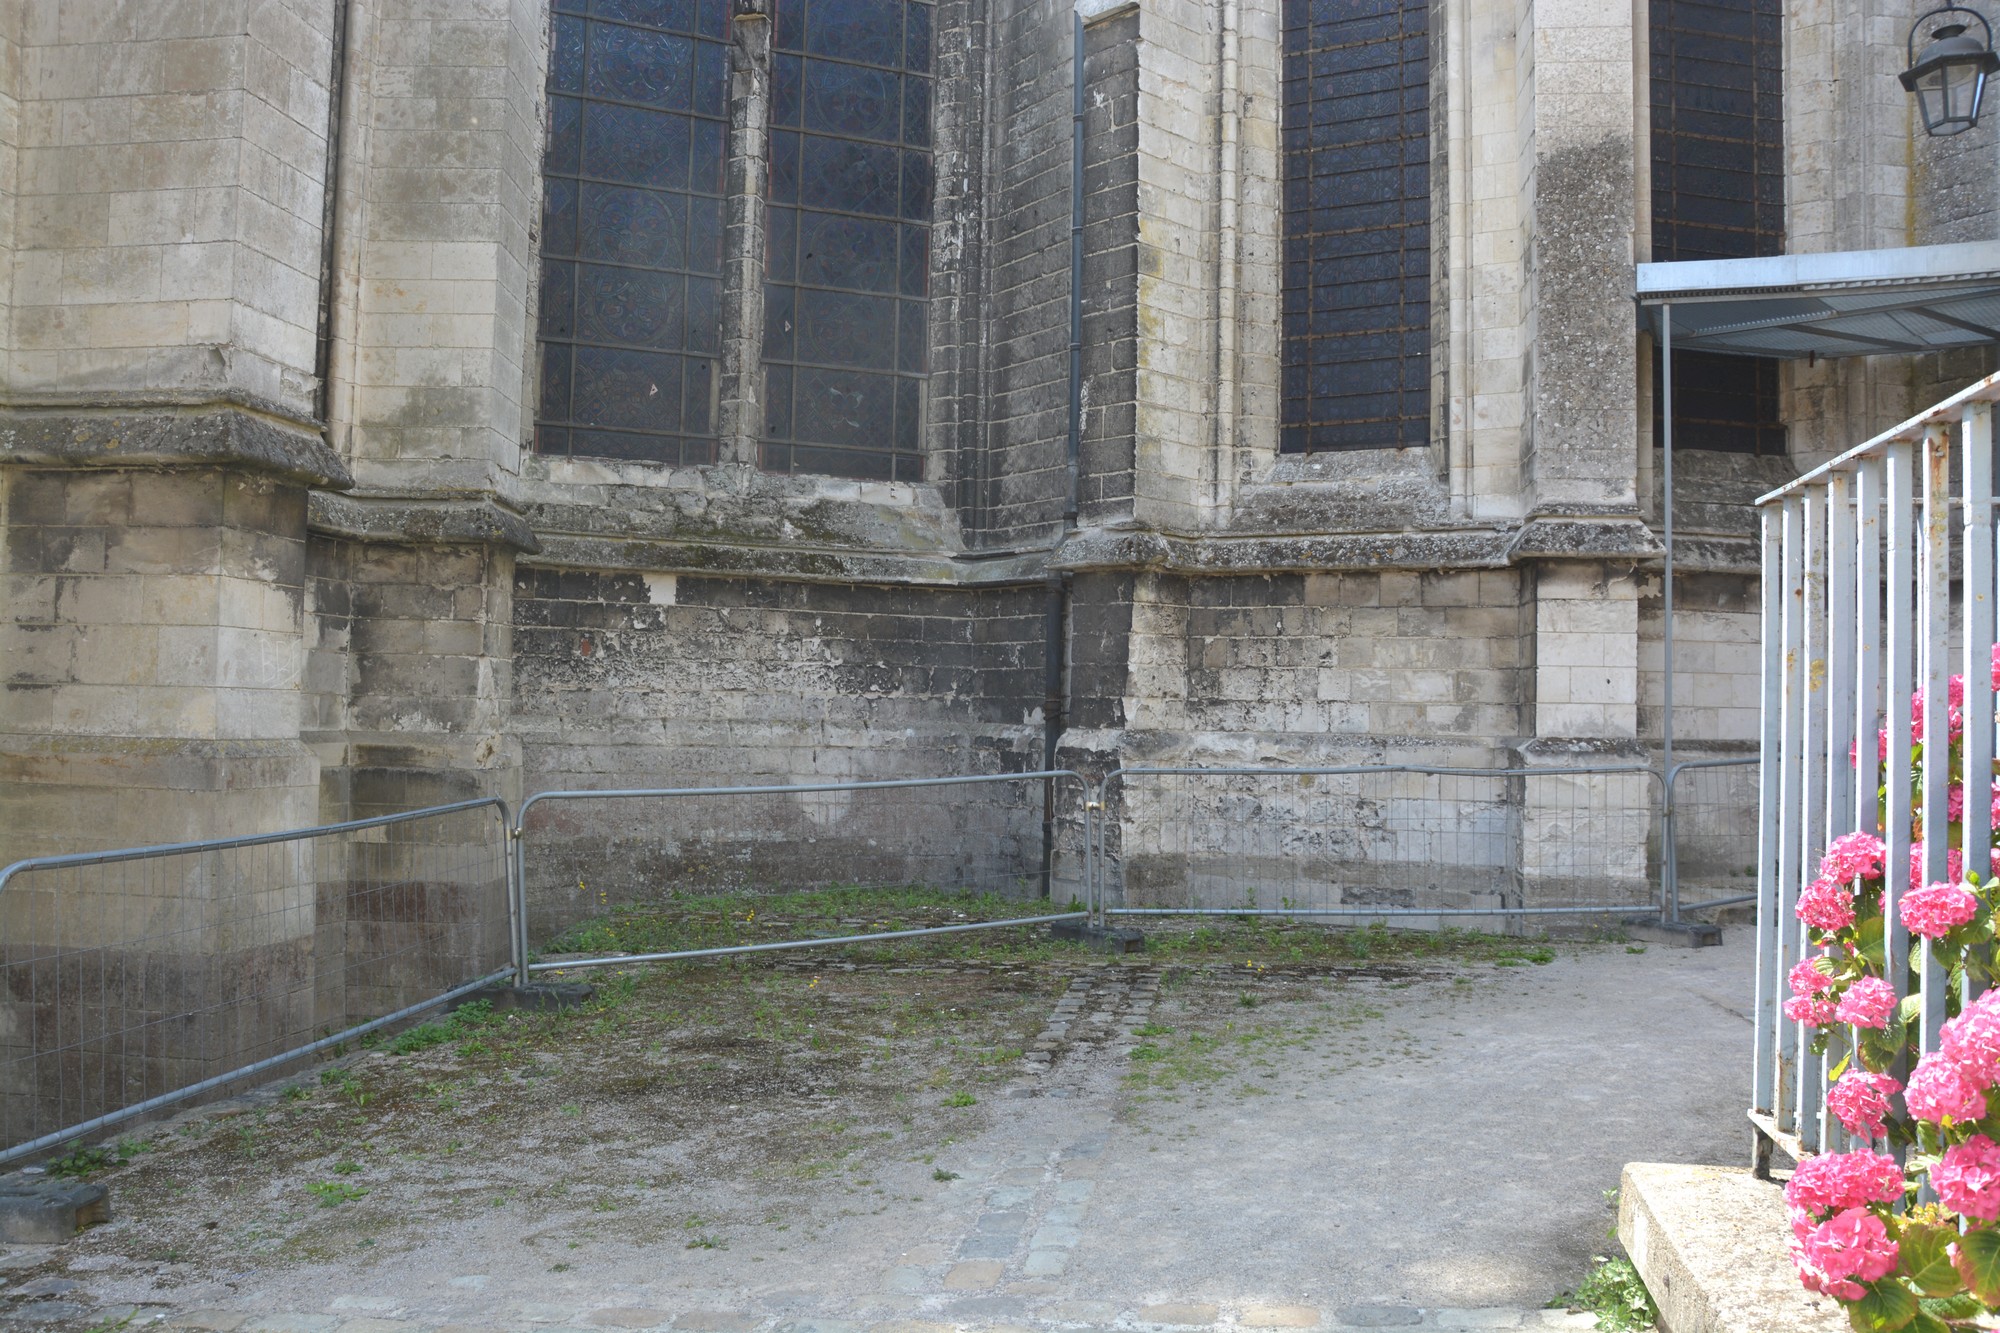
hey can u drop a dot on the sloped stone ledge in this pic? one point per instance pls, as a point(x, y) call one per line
point(170, 434)
point(1710, 1241)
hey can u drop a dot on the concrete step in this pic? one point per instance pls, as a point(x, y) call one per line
point(1711, 1243)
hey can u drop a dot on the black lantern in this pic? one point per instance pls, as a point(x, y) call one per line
point(1949, 77)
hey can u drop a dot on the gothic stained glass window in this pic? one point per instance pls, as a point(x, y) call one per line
point(1717, 75)
point(631, 317)
point(1357, 313)
point(845, 317)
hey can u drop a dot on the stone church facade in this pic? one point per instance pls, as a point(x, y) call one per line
point(407, 401)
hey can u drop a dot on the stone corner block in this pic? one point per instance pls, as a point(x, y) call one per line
point(44, 1210)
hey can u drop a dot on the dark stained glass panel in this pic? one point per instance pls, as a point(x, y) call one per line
point(631, 319)
point(846, 322)
point(1717, 75)
point(1357, 313)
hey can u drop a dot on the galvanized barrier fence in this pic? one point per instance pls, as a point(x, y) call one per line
point(1477, 847)
point(131, 981)
point(1020, 837)
point(1861, 636)
point(134, 980)
point(1710, 839)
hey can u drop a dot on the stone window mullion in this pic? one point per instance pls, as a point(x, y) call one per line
point(743, 240)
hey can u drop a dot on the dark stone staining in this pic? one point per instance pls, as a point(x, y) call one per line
point(740, 681)
point(1718, 193)
point(1100, 645)
point(1357, 272)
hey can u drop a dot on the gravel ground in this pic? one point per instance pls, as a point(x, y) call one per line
point(1175, 1139)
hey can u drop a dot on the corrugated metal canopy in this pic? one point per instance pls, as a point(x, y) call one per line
point(1926, 298)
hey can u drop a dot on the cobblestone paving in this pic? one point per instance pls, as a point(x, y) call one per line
point(1012, 1251)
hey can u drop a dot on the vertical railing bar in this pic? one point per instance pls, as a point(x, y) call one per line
point(1934, 665)
point(1867, 642)
point(1812, 759)
point(1841, 747)
point(1769, 982)
point(1899, 672)
point(1791, 800)
point(1836, 756)
point(1976, 473)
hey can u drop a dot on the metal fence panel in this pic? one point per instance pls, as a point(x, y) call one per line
point(1425, 845)
point(132, 980)
point(1715, 831)
point(1022, 837)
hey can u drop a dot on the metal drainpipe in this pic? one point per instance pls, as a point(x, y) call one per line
point(1669, 860)
point(1055, 623)
point(329, 211)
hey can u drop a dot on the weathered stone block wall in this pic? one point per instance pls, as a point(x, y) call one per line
point(411, 673)
point(1716, 660)
point(636, 680)
point(408, 683)
point(1024, 479)
point(1110, 267)
point(440, 204)
point(150, 638)
point(152, 641)
point(1359, 663)
point(1359, 667)
point(1177, 278)
point(170, 199)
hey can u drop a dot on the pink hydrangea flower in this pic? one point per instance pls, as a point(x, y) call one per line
point(1954, 709)
point(1972, 1040)
point(1807, 979)
point(1954, 864)
point(1831, 1181)
point(1810, 1010)
point(1826, 904)
point(1867, 1003)
point(1853, 856)
point(1967, 1179)
point(1954, 802)
point(1936, 908)
point(1854, 1244)
point(1940, 1090)
point(1861, 1101)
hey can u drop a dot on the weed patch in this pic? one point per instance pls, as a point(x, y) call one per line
point(1616, 1294)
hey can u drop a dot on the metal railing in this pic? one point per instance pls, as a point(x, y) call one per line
point(1030, 845)
point(134, 980)
point(1859, 561)
point(1416, 842)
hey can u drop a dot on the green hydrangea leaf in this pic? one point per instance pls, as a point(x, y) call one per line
point(1887, 1307)
point(1979, 1263)
point(1926, 1259)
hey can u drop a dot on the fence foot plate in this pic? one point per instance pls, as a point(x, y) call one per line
point(1106, 939)
point(1681, 934)
point(46, 1210)
point(534, 997)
